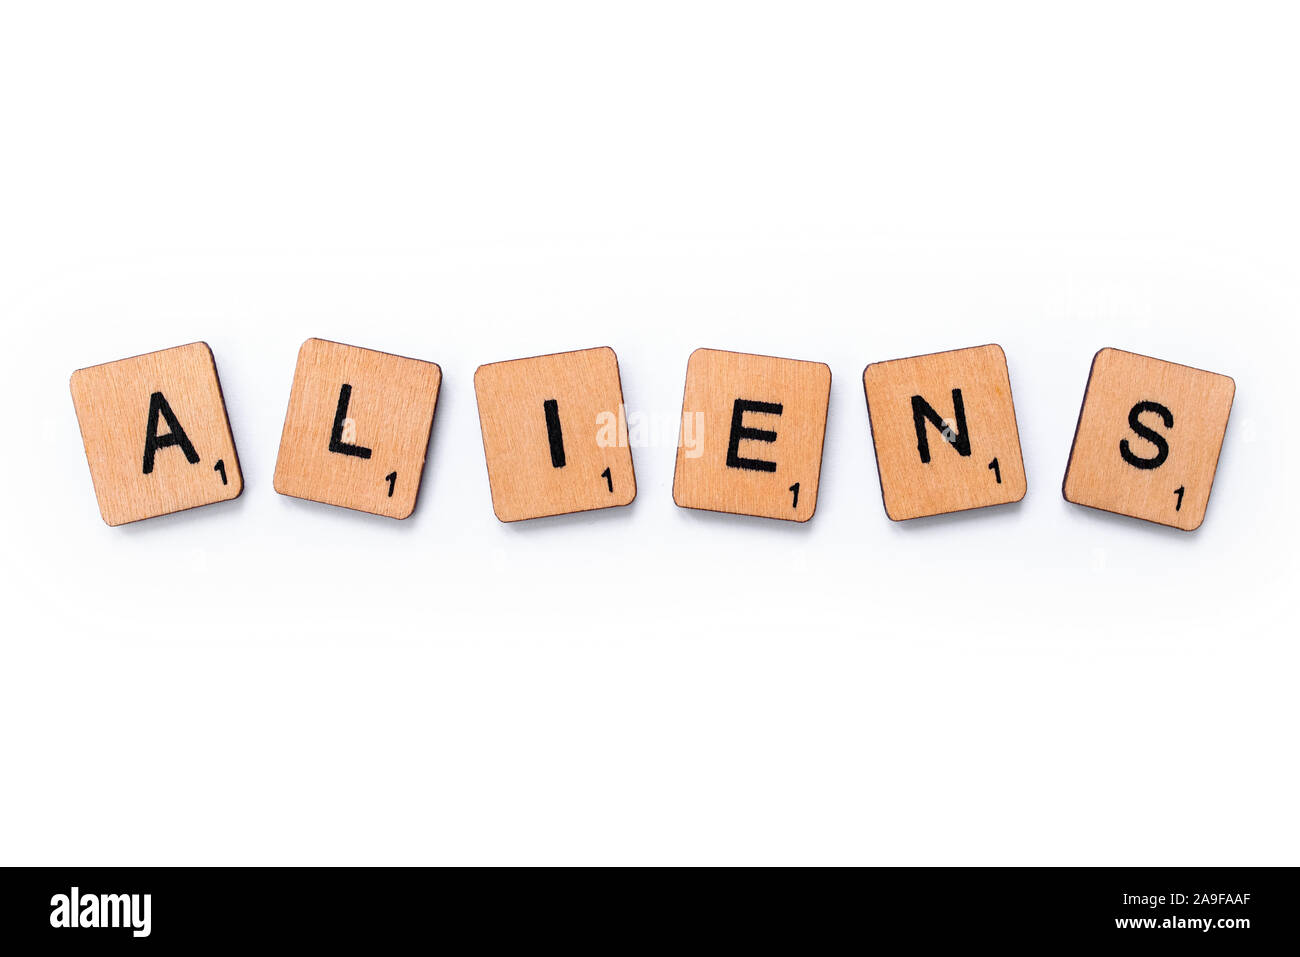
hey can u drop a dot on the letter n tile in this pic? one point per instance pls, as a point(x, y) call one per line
point(944, 428)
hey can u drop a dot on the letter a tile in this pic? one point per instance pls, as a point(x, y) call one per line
point(752, 434)
point(1148, 439)
point(944, 428)
point(156, 434)
point(357, 430)
point(555, 434)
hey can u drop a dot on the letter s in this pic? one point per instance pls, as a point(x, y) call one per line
point(1155, 438)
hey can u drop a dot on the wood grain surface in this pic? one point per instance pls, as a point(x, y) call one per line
point(356, 433)
point(725, 467)
point(1162, 470)
point(971, 460)
point(554, 434)
point(117, 411)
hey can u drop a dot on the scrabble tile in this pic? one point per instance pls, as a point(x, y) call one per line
point(156, 434)
point(944, 428)
point(1148, 439)
point(554, 434)
point(357, 430)
point(752, 434)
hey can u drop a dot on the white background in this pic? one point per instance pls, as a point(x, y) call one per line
point(274, 681)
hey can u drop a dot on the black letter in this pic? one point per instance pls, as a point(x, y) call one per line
point(176, 436)
point(336, 437)
point(1155, 438)
point(553, 433)
point(922, 410)
point(740, 431)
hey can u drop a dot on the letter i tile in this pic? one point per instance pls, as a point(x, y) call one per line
point(555, 434)
point(356, 433)
point(752, 434)
point(156, 434)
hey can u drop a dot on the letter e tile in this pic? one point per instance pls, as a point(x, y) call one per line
point(357, 430)
point(1148, 439)
point(156, 434)
point(555, 434)
point(752, 434)
point(944, 428)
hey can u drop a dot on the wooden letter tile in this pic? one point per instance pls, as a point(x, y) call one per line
point(752, 434)
point(156, 434)
point(1148, 439)
point(944, 428)
point(554, 434)
point(357, 430)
